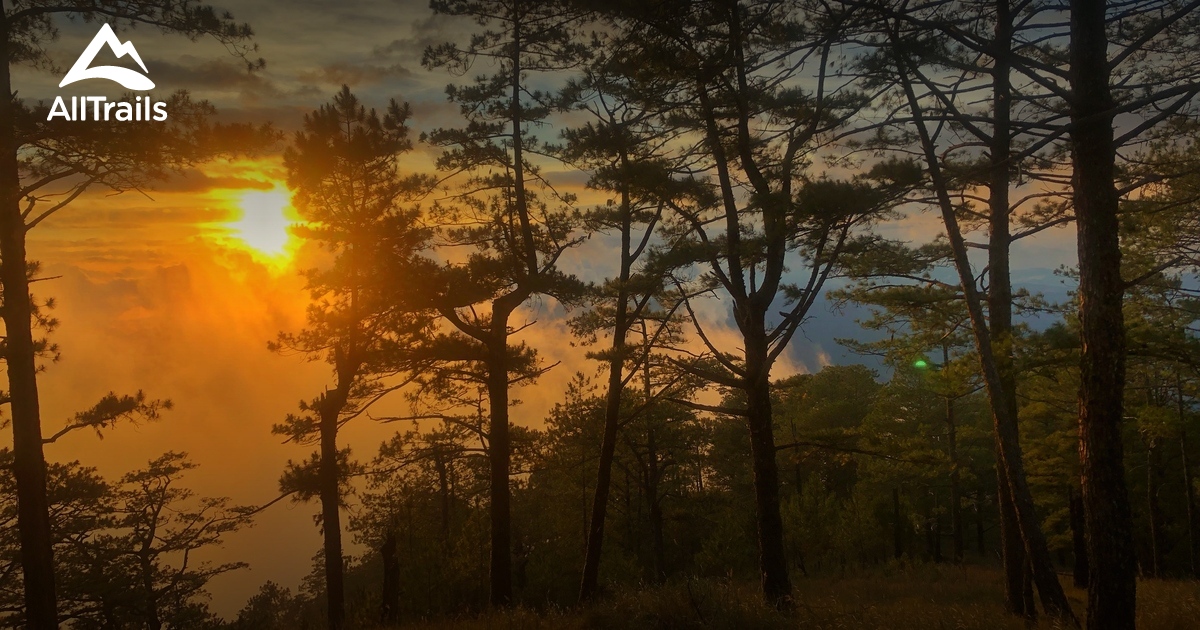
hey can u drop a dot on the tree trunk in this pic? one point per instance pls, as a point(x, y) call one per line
point(1189, 492)
point(29, 464)
point(389, 607)
point(612, 411)
point(331, 524)
point(980, 543)
point(777, 587)
point(1078, 538)
point(1153, 508)
point(1193, 528)
point(897, 527)
point(1112, 598)
point(1012, 549)
point(956, 524)
point(1000, 312)
point(499, 458)
point(1010, 458)
point(440, 465)
point(935, 529)
point(657, 542)
point(1027, 591)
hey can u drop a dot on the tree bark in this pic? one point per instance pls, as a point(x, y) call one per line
point(29, 464)
point(1012, 549)
point(499, 458)
point(612, 408)
point(1078, 538)
point(1000, 311)
point(331, 524)
point(777, 587)
point(1112, 597)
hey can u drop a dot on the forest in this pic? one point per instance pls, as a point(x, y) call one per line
point(674, 192)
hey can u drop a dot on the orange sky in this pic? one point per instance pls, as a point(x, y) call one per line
point(159, 294)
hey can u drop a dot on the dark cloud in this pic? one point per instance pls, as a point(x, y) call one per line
point(345, 73)
point(197, 74)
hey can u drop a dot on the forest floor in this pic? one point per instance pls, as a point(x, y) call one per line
point(922, 597)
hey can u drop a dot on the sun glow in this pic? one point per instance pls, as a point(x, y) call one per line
point(263, 225)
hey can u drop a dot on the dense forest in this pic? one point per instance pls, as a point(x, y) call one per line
point(750, 168)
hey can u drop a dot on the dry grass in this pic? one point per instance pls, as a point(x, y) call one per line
point(924, 597)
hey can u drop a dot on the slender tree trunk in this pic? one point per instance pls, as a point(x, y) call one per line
point(612, 411)
point(499, 457)
point(150, 605)
point(1012, 549)
point(1112, 597)
point(331, 524)
point(29, 464)
point(1193, 528)
point(956, 523)
point(930, 543)
point(1078, 538)
point(980, 544)
point(777, 587)
point(1010, 458)
point(1000, 312)
point(1027, 591)
point(1153, 507)
point(657, 542)
point(440, 465)
point(389, 608)
point(935, 529)
point(897, 526)
point(1189, 492)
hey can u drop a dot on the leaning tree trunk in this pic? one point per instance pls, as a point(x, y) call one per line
point(612, 412)
point(29, 464)
point(1112, 597)
point(1010, 458)
point(331, 524)
point(776, 586)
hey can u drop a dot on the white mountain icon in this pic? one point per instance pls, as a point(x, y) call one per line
point(126, 77)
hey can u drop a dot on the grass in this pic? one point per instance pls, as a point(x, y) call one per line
point(923, 597)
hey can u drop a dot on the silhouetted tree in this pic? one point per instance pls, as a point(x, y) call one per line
point(342, 167)
point(39, 157)
point(516, 224)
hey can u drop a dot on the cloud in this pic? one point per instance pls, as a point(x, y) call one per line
point(354, 75)
point(195, 180)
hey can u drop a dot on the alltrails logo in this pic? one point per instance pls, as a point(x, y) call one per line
point(101, 108)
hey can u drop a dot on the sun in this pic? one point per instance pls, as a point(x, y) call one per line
point(263, 224)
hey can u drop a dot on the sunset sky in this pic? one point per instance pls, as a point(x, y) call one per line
point(178, 292)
